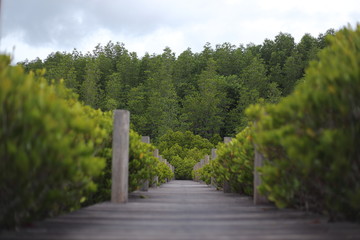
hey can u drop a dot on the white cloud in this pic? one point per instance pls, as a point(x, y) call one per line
point(309, 6)
point(19, 50)
point(149, 26)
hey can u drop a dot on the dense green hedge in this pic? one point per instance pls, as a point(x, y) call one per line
point(47, 149)
point(143, 165)
point(182, 150)
point(55, 153)
point(163, 172)
point(234, 163)
point(311, 138)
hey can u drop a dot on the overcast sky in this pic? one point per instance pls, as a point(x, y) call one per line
point(38, 27)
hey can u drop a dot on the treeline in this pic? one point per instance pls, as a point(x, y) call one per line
point(310, 139)
point(55, 152)
point(205, 93)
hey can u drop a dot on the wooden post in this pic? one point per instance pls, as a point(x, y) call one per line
point(258, 162)
point(120, 157)
point(145, 184)
point(226, 186)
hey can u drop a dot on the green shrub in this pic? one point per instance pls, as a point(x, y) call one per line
point(142, 164)
point(163, 172)
point(183, 166)
point(182, 150)
point(311, 138)
point(53, 150)
point(47, 149)
point(234, 163)
point(205, 173)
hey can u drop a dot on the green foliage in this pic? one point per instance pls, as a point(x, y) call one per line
point(203, 110)
point(163, 108)
point(55, 151)
point(205, 93)
point(163, 172)
point(58, 146)
point(206, 172)
point(142, 164)
point(90, 92)
point(311, 138)
point(48, 145)
point(183, 166)
point(182, 150)
point(234, 163)
point(185, 140)
point(254, 76)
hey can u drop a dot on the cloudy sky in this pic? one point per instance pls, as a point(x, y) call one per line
point(35, 28)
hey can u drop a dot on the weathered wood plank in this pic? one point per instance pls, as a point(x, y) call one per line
point(186, 210)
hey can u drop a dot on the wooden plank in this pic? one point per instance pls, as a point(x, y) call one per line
point(186, 210)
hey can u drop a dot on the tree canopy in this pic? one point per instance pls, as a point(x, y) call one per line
point(205, 93)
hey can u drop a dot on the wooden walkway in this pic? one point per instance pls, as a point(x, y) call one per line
point(186, 210)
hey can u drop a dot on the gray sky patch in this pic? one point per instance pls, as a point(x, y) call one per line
point(38, 26)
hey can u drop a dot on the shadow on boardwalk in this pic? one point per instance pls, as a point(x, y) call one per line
point(186, 210)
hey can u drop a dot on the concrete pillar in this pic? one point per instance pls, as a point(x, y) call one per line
point(196, 167)
point(213, 153)
point(156, 181)
point(258, 162)
point(145, 139)
point(207, 159)
point(156, 153)
point(120, 157)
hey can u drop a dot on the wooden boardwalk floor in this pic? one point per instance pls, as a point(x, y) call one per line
point(186, 210)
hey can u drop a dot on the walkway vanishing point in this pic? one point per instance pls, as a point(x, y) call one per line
point(186, 210)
